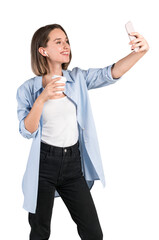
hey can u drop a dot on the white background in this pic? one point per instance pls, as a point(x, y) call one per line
point(125, 113)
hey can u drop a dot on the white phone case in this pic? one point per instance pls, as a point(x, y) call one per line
point(129, 28)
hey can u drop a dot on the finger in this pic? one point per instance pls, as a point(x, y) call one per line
point(135, 34)
point(137, 45)
point(141, 49)
point(59, 84)
point(59, 89)
point(136, 40)
point(55, 79)
point(58, 94)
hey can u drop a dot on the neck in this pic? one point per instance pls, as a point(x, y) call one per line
point(55, 69)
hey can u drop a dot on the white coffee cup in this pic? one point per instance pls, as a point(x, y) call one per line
point(62, 80)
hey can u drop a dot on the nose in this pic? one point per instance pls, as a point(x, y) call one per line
point(66, 45)
point(65, 48)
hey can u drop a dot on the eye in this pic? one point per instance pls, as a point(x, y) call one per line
point(66, 41)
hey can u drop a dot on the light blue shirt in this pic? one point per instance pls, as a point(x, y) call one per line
point(78, 83)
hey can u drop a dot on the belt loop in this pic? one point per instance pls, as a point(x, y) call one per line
point(73, 150)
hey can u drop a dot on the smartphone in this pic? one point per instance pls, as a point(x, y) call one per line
point(129, 28)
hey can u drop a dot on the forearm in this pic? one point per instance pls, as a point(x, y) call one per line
point(31, 122)
point(124, 64)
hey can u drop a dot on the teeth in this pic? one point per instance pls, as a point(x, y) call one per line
point(65, 53)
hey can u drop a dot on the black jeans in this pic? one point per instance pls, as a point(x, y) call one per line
point(60, 169)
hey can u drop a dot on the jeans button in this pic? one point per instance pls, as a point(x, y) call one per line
point(65, 150)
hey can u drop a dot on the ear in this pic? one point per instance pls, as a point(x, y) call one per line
point(42, 51)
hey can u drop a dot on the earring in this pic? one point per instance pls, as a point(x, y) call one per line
point(45, 53)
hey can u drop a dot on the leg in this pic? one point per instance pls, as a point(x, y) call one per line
point(40, 221)
point(77, 197)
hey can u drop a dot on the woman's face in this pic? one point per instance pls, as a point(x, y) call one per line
point(57, 44)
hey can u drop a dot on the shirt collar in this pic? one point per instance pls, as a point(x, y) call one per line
point(38, 80)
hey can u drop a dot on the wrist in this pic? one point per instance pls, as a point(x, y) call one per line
point(40, 100)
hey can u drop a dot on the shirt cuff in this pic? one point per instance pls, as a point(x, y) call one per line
point(25, 133)
point(110, 74)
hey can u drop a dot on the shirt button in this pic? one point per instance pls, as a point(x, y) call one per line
point(65, 150)
point(83, 128)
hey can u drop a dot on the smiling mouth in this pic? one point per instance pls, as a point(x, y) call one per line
point(65, 53)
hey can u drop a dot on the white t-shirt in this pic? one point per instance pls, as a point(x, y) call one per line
point(59, 122)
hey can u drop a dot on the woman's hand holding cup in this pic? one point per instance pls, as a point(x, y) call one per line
point(52, 90)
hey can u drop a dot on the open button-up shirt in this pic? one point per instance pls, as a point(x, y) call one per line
point(77, 85)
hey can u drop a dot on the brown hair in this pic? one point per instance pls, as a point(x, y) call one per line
point(40, 38)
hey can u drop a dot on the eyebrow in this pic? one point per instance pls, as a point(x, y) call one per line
point(58, 39)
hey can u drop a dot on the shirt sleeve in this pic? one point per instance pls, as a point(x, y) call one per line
point(23, 109)
point(99, 77)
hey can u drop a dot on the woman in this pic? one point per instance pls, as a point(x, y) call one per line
point(64, 158)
